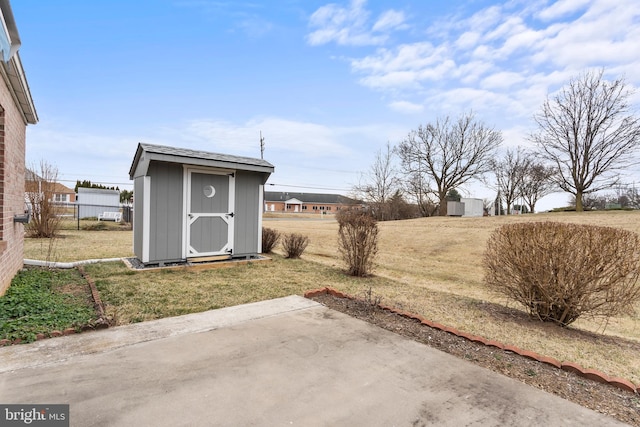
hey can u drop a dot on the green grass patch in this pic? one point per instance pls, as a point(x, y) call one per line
point(40, 301)
point(132, 297)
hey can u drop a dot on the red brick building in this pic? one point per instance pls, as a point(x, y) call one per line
point(306, 202)
point(16, 111)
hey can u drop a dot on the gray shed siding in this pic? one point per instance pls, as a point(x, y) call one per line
point(162, 230)
point(246, 232)
point(165, 211)
point(138, 214)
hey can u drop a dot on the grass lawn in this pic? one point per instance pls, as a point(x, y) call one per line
point(138, 296)
point(431, 266)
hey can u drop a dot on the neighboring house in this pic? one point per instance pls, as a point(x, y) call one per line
point(59, 193)
point(95, 201)
point(306, 202)
point(16, 111)
point(63, 194)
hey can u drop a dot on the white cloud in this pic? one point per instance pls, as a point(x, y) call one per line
point(104, 158)
point(305, 138)
point(605, 35)
point(351, 25)
point(502, 80)
point(255, 27)
point(405, 66)
point(505, 59)
point(561, 8)
point(345, 26)
point(406, 107)
point(472, 71)
point(392, 80)
point(485, 19)
point(390, 20)
point(304, 153)
point(467, 40)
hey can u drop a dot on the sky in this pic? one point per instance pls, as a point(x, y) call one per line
point(328, 84)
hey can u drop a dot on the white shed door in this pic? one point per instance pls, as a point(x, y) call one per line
point(209, 214)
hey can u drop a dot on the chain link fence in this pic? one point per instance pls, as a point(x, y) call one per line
point(82, 216)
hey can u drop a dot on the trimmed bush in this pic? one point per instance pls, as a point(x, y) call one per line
point(357, 241)
point(270, 238)
point(562, 271)
point(294, 245)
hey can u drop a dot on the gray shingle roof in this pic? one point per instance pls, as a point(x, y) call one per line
point(196, 154)
point(196, 157)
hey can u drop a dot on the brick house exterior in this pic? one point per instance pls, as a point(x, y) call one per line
point(16, 111)
point(307, 202)
point(60, 193)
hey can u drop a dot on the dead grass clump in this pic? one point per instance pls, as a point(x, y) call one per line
point(294, 245)
point(357, 241)
point(561, 271)
point(270, 238)
point(95, 226)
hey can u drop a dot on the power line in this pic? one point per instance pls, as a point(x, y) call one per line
point(96, 182)
point(271, 184)
point(309, 188)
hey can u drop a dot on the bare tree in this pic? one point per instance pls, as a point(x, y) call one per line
point(510, 172)
point(588, 134)
point(633, 195)
point(379, 183)
point(538, 181)
point(419, 191)
point(40, 186)
point(450, 152)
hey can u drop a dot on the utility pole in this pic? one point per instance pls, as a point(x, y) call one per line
point(264, 202)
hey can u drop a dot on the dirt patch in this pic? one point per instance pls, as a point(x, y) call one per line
point(603, 398)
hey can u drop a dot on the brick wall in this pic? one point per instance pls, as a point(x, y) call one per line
point(12, 164)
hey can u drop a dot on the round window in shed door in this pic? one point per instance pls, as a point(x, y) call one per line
point(209, 191)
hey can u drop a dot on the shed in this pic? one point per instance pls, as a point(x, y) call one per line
point(196, 205)
point(455, 208)
point(95, 201)
point(473, 207)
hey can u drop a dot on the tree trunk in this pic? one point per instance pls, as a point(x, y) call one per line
point(443, 205)
point(579, 206)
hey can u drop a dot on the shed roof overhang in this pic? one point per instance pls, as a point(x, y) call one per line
point(146, 153)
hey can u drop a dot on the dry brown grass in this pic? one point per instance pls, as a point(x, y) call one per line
point(136, 296)
point(431, 266)
point(438, 261)
point(74, 245)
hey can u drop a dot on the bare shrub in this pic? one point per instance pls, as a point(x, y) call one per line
point(357, 241)
point(40, 188)
point(294, 245)
point(562, 271)
point(270, 239)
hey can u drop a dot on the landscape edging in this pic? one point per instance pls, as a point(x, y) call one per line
point(591, 374)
